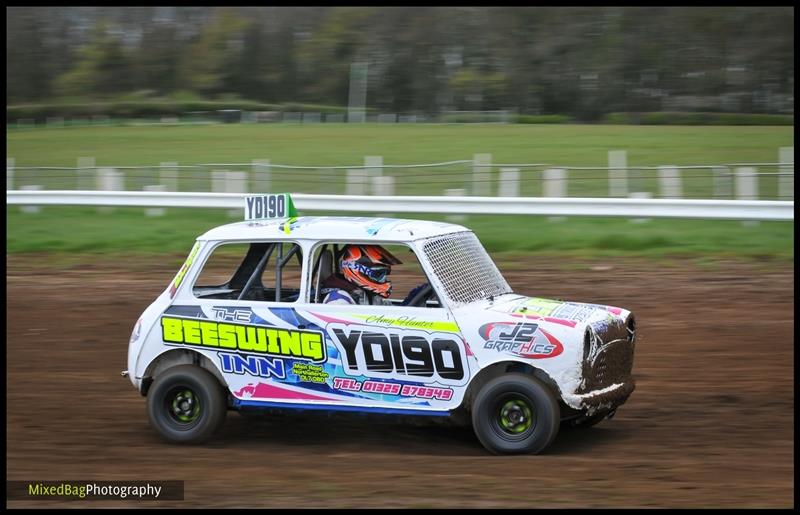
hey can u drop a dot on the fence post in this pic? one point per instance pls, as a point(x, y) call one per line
point(669, 179)
point(218, 181)
point(168, 176)
point(31, 209)
point(747, 188)
point(236, 182)
point(262, 175)
point(383, 186)
point(373, 166)
point(746, 183)
point(555, 182)
point(640, 194)
point(723, 182)
point(555, 185)
point(155, 211)
point(786, 179)
point(109, 179)
point(356, 181)
point(481, 174)
point(617, 173)
point(85, 173)
point(224, 181)
point(9, 173)
point(455, 192)
point(508, 182)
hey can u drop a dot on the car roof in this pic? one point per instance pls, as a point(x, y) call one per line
point(332, 228)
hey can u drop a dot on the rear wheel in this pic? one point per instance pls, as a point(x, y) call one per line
point(515, 413)
point(186, 404)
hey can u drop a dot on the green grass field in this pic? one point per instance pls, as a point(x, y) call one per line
point(82, 230)
point(343, 144)
point(347, 144)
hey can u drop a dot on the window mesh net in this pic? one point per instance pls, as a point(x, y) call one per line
point(463, 267)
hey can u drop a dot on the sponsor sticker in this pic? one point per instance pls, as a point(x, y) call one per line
point(252, 365)
point(265, 207)
point(271, 341)
point(182, 272)
point(390, 388)
point(409, 355)
point(523, 339)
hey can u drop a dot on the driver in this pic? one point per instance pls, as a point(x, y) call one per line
point(364, 276)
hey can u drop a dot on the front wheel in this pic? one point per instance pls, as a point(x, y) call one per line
point(186, 404)
point(515, 413)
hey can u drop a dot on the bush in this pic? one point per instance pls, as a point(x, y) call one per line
point(543, 118)
point(150, 108)
point(475, 117)
point(699, 118)
point(314, 108)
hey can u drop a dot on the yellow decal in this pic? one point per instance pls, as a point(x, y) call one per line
point(287, 343)
point(287, 225)
point(543, 307)
point(310, 373)
point(182, 272)
point(407, 321)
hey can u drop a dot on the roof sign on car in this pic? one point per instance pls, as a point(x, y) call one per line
point(268, 206)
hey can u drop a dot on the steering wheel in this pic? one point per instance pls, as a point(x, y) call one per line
point(420, 297)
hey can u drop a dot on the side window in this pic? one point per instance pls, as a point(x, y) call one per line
point(260, 271)
point(387, 274)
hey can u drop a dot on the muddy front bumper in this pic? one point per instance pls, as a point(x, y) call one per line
point(602, 400)
point(607, 368)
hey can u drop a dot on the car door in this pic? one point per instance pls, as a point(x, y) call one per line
point(242, 314)
point(389, 355)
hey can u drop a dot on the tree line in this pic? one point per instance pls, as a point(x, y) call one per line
point(580, 61)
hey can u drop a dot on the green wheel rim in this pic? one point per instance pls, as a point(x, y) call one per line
point(515, 416)
point(184, 406)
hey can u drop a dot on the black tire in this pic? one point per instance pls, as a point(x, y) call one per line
point(515, 414)
point(181, 417)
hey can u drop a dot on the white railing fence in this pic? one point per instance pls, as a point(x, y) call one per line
point(478, 176)
point(633, 207)
point(618, 189)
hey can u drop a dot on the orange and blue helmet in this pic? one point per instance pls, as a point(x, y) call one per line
point(368, 267)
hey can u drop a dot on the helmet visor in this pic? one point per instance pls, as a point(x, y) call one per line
point(378, 273)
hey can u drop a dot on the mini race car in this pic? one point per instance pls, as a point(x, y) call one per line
point(243, 326)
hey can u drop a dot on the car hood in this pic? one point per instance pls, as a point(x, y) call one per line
point(557, 311)
point(609, 322)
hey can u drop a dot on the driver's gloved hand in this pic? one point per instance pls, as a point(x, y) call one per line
point(412, 294)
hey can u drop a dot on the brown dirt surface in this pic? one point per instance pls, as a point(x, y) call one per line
point(711, 423)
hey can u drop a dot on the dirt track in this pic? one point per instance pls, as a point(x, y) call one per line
point(709, 425)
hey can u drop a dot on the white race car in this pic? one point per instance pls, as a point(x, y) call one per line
point(245, 326)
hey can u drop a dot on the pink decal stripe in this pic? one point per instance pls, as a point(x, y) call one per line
point(333, 320)
point(568, 323)
point(268, 391)
point(466, 347)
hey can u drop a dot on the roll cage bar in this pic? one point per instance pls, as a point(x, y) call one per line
point(255, 262)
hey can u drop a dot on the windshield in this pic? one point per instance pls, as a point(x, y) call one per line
point(464, 269)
